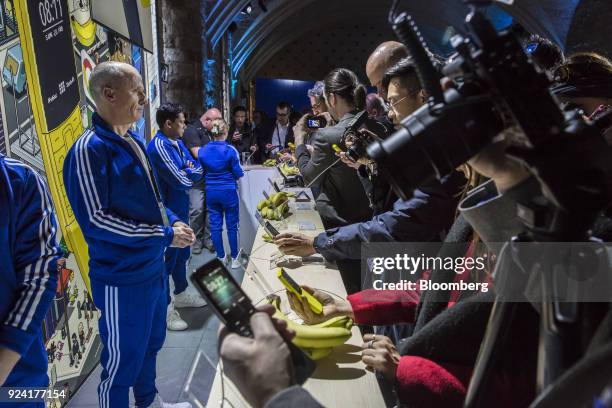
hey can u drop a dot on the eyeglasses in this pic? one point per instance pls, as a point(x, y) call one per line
point(282, 114)
point(390, 105)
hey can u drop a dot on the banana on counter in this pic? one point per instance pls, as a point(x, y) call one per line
point(278, 201)
point(317, 340)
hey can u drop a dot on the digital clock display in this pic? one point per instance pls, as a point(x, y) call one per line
point(52, 38)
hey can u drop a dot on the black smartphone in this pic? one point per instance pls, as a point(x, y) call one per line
point(269, 228)
point(274, 185)
point(316, 122)
point(234, 308)
point(273, 232)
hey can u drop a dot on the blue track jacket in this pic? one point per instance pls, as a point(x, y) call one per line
point(171, 165)
point(116, 208)
point(28, 268)
point(221, 165)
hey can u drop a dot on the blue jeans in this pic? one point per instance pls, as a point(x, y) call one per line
point(222, 203)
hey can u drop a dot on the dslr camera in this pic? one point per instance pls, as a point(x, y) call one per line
point(498, 91)
point(359, 134)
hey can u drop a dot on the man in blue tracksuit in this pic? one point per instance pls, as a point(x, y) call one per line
point(116, 201)
point(176, 174)
point(28, 275)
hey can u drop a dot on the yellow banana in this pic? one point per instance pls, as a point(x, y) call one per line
point(311, 337)
point(278, 198)
point(318, 337)
point(263, 203)
point(283, 208)
point(338, 321)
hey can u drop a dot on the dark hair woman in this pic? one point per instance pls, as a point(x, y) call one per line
point(342, 199)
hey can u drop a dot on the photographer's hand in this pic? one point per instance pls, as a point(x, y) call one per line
point(294, 243)
point(328, 118)
point(300, 131)
point(260, 367)
point(494, 163)
point(332, 307)
point(345, 159)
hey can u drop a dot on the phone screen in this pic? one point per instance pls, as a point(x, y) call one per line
point(270, 229)
point(314, 123)
point(234, 308)
point(227, 298)
point(290, 281)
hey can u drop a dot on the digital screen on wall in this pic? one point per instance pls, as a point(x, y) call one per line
point(50, 23)
point(130, 19)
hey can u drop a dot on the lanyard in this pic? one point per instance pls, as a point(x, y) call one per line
point(153, 181)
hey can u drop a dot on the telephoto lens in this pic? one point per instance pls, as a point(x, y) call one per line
point(432, 143)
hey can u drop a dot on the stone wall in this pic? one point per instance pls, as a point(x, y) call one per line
point(182, 52)
point(590, 29)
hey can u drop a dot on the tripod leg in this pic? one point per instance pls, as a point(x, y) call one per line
point(500, 321)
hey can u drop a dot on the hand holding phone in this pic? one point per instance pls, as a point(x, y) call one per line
point(297, 290)
point(234, 308)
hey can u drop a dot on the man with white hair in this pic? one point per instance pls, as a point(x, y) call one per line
point(116, 201)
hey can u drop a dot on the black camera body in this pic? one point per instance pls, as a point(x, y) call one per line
point(498, 89)
point(359, 134)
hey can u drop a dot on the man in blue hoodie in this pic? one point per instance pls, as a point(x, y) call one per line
point(176, 174)
point(28, 276)
point(117, 202)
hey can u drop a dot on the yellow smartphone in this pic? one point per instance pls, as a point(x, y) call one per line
point(297, 290)
point(337, 148)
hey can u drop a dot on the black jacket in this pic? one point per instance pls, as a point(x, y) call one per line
point(245, 143)
point(264, 136)
point(342, 199)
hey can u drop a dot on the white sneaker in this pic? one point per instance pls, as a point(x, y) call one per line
point(222, 260)
point(173, 319)
point(159, 403)
point(188, 299)
point(236, 263)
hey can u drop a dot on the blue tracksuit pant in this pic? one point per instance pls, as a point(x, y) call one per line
point(176, 266)
point(132, 329)
point(220, 203)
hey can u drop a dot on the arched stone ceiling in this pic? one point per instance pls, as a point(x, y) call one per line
point(288, 21)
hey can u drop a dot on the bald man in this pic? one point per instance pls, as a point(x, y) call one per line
point(116, 201)
point(382, 58)
point(197, 135)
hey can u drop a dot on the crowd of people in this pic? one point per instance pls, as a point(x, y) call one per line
point(143, 209)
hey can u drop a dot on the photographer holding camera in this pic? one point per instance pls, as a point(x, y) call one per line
point(421, 219)
point(342, 200)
